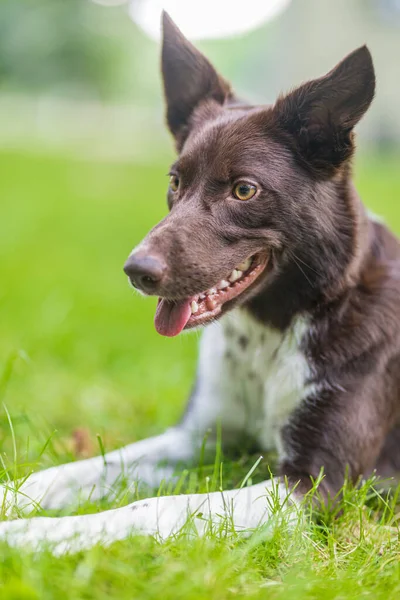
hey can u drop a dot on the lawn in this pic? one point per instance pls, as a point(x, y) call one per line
point(78, 352)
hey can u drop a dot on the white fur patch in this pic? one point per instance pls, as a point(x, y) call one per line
point(242, 510)
point(66, 485)
point(250, 377)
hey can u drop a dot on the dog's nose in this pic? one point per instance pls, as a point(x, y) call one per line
point(145, 272)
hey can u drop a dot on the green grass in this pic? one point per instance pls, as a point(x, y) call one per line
point(78, 350)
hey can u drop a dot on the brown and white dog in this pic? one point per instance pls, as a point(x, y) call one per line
point(268, 244)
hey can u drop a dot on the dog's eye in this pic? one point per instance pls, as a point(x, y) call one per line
point(244, 191)
point(174, 183)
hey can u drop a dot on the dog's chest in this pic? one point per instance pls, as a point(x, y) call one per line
point(257, 376)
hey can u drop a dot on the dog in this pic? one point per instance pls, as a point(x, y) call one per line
point(268, 244)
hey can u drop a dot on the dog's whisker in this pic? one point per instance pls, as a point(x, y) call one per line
point(300, 269)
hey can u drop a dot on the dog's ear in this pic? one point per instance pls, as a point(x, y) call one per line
point(189, 78)
point(321, 114)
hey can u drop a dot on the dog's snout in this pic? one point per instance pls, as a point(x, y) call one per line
point(145, 272)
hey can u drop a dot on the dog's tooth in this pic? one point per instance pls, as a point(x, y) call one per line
point(212, 291)
point(244, 265)
point(235, 275)
point(223, 284)
point(202, 296)
point(210, 303)
point(194, 307)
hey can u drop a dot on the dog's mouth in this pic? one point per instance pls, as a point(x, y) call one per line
point(172, 316)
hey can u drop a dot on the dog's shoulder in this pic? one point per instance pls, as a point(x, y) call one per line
point(361, 328)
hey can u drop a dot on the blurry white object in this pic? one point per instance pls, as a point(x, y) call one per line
point(110, 2)
point(206, 18)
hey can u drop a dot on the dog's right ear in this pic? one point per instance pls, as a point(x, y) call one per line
point(189, 78)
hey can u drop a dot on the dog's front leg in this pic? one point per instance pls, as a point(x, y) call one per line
point(340, 433)
point(229, 511)
point(95, 477)
point(150, 460)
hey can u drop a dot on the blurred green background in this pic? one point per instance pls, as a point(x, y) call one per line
point(83, 158)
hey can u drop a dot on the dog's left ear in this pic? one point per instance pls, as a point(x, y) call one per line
point(189, 79)
point(320, 115)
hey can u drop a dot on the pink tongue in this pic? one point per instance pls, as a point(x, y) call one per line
point(171, 317)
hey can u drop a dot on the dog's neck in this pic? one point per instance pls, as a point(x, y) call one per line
point(307, 281)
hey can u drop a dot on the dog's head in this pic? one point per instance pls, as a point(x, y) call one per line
point(258, 194)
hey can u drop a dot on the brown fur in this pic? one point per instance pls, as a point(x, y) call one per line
point(327, 259)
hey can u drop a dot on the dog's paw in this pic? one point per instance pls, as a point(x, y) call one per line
point(44, 489)
point(57, 535)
